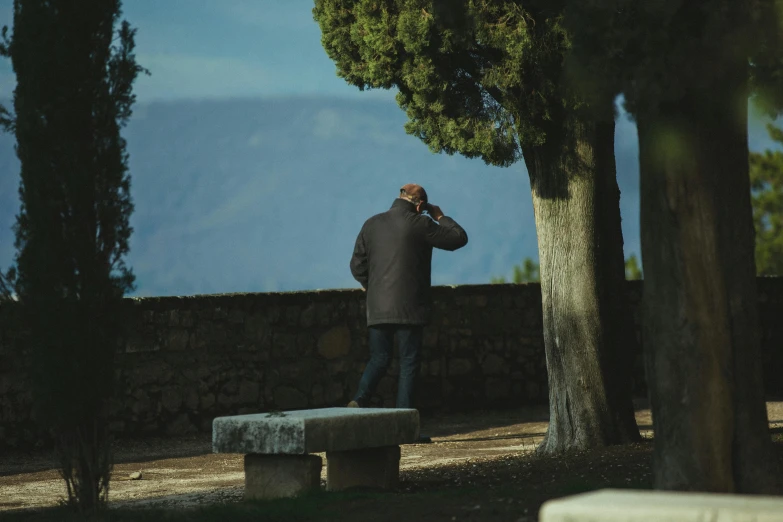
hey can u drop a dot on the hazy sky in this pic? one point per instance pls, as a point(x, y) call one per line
point(192, 48)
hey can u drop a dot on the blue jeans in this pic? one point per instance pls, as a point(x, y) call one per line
point(409, 340)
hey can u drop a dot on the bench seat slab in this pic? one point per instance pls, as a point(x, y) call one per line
point(315, 431)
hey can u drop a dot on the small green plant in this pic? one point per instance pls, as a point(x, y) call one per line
point(527, 272)
point(632, 269)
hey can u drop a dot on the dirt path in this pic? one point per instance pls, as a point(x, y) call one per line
point(184, 472)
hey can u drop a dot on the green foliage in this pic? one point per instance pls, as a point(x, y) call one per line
point(477, 77)
point(766, 178)
point(653, 52)
point(632, 269)
point(527, 272)
point(74, 92)
point(766, 59)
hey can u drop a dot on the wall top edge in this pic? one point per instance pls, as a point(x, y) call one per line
point(347, 292)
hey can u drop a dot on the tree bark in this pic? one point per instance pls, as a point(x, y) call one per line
point(702, 351)
point(588, 338)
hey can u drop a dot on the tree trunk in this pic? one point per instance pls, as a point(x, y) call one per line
point(588, 333)
point(702, 347)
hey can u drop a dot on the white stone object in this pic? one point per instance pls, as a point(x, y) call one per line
point(314, 431)
point(613, 505)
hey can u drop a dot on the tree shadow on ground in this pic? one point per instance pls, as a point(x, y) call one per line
point(500, 437)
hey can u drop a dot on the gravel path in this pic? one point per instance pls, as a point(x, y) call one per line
point(183, 472)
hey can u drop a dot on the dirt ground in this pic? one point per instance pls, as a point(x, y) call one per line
point(479, 450)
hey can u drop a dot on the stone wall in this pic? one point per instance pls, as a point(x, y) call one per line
point(190, 359)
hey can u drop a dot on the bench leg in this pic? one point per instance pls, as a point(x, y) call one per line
point(275, 476)
point(372, 468)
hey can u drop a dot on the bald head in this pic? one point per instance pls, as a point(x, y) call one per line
point(413, 193)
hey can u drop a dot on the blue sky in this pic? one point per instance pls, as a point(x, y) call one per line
point(266, 48)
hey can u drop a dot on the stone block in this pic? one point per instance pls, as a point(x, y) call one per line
point(317, 395)
point(460, 367)
point(137, 344)
point(335, 342)
point(335, 392)
point(236, 316)
point(314, 431)
point(611, 505)
point(323, 313)
point(277, 476)
point(394, 368)
point(284, 346)
point(305, 343)
point(186, 318)
point(230, 386)
point(497, 388)
point(141, 402)
point(430, 336)
point(191, 399)
point(287, 397)
point(493, 364)
point(307, 318)
point(248, 392)
point(338, 366)
point(171, 399)
point(303, 370)
point(376, 468)
point(532, 390)
point(225, 401)
point(178, 340)
point(6, 383)
point(292, 315)
point(257, 326)
point(180, 425)
point(207, 401)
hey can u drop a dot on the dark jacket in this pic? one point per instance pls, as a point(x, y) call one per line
point(392, 259)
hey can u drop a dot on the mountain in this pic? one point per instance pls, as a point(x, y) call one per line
point(268, 194)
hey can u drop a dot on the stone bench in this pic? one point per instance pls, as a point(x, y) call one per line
point(362, 447)
point(615, 505)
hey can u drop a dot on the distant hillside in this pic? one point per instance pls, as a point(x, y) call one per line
point(263, 195)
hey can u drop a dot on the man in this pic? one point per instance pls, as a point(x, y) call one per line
point(392, 261)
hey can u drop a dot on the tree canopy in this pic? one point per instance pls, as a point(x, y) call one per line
point(652, 52)
point(478, 78)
